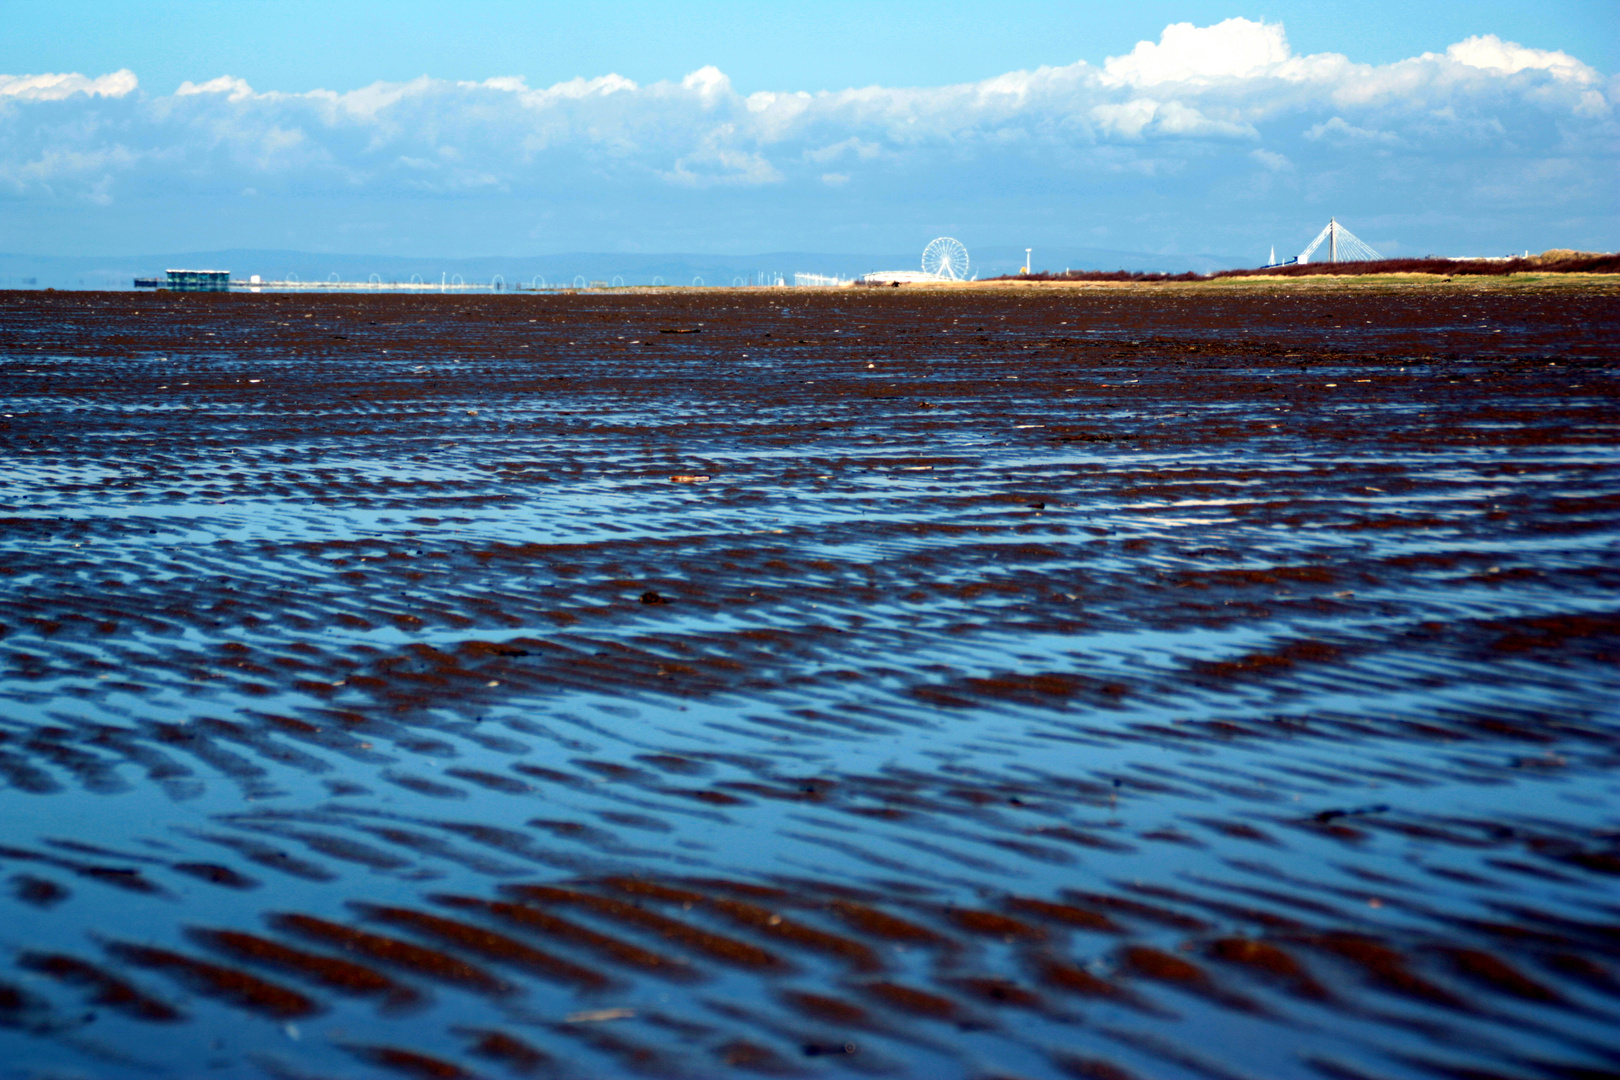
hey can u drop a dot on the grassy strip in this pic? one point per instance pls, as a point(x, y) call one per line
point(1549, 262)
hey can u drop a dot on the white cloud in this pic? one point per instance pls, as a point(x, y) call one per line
point(1491, 53)
point(1179, 119)
point(1234, 49)
point(573, 89)
point(1591, 105)
point(1125, 120)
point(715, 163)
point(1222, 82)
point(275, 144)
point(710, 83)
point(233, 88)
point(66, 164)
point(1272, 161)
point(1143, 116)
point(1336, 130)
point(57, 87)
point(862, 150)
point(1176, 116)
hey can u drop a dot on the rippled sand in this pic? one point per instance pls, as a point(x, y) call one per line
point(1130, 683)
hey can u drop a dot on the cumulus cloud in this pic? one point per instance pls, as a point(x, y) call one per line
point(58, 87)
point(233, 89)
point(709, 83)
point(1188, 109)
point(1491, 53)
point(1234, 49)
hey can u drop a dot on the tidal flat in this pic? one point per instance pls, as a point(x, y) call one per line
point(1153, 683)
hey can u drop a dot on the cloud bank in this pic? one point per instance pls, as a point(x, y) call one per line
point(1203, 140)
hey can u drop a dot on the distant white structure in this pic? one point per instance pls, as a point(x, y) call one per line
point(818, 281)
point(373, 283)
point(944, 259)
point(1343, 246)
point(900, 277)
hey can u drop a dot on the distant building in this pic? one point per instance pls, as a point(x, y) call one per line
point(189, 281)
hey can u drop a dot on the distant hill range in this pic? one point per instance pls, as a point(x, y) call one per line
point(120, 271)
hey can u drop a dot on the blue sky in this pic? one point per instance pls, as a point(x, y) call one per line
point(513, 128)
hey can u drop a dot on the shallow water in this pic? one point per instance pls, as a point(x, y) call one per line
point(1103, 684)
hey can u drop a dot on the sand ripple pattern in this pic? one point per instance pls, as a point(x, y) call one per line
point(1119, 684)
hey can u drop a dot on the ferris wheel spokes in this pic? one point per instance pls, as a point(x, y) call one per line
point(946, 258)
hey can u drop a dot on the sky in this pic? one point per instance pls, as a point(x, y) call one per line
point(504, 128)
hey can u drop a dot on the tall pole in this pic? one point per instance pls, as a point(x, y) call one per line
point(1027, 259)
point(1333, 239)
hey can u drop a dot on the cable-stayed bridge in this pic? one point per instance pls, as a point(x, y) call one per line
point(1343, 246)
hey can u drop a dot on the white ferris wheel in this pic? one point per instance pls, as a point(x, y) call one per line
point(946, 258)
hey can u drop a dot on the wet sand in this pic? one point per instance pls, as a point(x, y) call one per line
point(1125, 682)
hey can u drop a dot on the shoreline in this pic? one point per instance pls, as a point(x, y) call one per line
point(1521, 282)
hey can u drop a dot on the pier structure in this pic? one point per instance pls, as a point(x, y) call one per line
point(188, 281)
point(221, 281)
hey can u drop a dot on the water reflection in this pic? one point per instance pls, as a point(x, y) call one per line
point(1159, 712)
